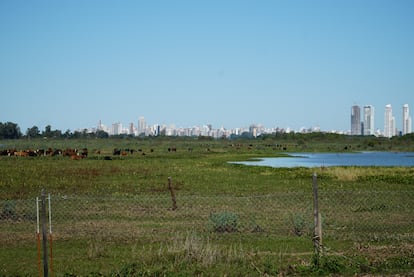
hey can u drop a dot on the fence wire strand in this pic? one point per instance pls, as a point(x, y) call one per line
point(346, 215)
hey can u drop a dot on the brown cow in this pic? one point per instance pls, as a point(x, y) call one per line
point(21, 153)
point(76, 157)
point(69, 152)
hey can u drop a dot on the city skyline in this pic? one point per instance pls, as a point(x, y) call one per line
point(366, 126)
point(361, 124)
point(293, 64)
point(390, 128)
point(154, 129)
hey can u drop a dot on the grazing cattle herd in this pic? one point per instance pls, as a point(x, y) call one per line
point(78, 154)
point(73, 153)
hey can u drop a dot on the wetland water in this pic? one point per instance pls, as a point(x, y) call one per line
point(337, 159)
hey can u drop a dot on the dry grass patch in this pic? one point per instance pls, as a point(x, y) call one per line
point(193, 248)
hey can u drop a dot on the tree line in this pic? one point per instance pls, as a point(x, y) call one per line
point(10, 130)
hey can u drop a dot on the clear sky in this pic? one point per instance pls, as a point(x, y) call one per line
point(288, 63)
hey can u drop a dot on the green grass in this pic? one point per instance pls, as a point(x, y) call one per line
point(114, 217)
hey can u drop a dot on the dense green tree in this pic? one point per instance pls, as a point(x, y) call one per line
point(67, 134)
point(33, 132)
point(101, 134)
point(49, 133)
point(76, 134)
point(9, 130)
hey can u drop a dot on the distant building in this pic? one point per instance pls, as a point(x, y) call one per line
point(389, 122)
point(156, 130)
point(356, 120)
point(253, 130)
point(100, 126)
point(369, 128)
point(406, 127)
point(131, 130)
point(142, 125)
point(116, 128)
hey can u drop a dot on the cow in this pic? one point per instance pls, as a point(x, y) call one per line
point(32, 153)
point(56, 152)
point(70, 152)
point(76, 157)
point(21, 154)
point(84, 152)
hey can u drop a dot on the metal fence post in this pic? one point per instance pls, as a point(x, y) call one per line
point(317, 238)
point(173, 199)
point(44, 235)
point(39, 255)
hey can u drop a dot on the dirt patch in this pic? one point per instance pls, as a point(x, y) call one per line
point(386, 251)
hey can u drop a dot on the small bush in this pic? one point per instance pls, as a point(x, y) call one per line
point(299, 224)
point(325, 265)
point(224, 222)
point(9, 210)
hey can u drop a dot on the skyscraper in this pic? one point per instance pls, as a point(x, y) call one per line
point(131, 130)
point(369, 128)
point(355, 120)
point(142, 125)
point(116, 128)
point(406, 127)
point(389, 122)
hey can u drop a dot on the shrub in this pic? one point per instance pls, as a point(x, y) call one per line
point(224, 222)
point(299, 224)
point(9, 210)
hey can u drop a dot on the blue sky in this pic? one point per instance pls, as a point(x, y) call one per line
point(228, 63)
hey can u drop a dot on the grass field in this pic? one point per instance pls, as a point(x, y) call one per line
point(115, 217)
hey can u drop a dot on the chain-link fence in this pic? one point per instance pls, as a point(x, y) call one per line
point(81, 224)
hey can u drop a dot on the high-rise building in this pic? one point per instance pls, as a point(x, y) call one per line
point(116, 128)
point(131, 130)
point(100, 126)
point(355, 120)
point(389, 122)
point(406, 127)
point(142, 125)
point(369, 128)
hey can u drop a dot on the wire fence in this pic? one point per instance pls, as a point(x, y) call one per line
point(347, 215)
